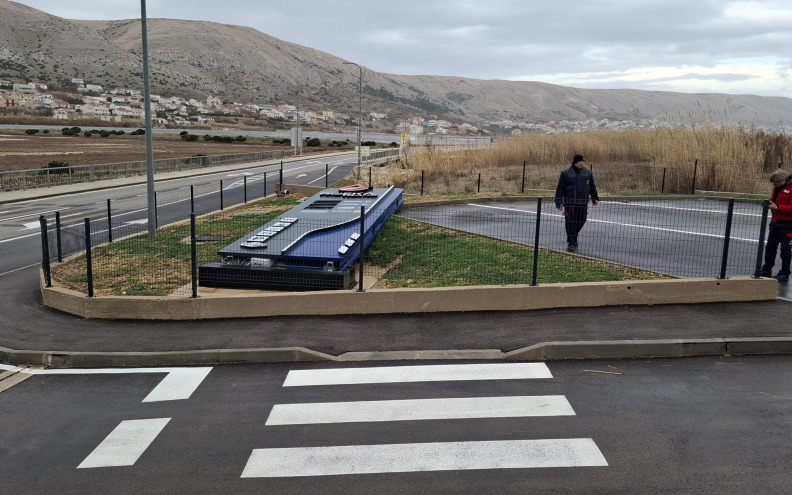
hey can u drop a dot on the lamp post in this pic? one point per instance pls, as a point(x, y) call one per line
point(360, 111)
point(152, 205)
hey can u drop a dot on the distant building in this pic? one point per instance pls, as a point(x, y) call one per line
point(77, 81)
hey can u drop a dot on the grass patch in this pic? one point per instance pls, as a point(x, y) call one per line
point(416, 254)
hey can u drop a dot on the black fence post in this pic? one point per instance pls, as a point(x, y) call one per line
point(662, 187)
point(280, 182)
point(522, 184)
point(58, 236)
point(478, 185)
point(362, 244)
point(695, 171)
point(193, 256)
point(536, 241)
point(45, 259)
point(192, 200)
point(422, 182)
point(265, 184)
point(726, 239)
point(370, 177)
point(109, 222)
point(760, 249)
point(327, 173)
point(244, 187)
point(221, 194)
point(88, 261)
point(156, 212)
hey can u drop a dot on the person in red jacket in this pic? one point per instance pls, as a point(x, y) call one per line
point(780, 205)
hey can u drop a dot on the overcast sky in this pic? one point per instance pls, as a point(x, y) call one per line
point(692, 46)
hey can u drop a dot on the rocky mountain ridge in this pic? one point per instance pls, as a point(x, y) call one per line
point(197, 59)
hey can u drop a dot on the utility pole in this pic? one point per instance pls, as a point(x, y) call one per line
point(360, 112)
point(152, 205)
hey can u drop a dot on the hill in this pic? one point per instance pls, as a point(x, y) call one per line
point(197, 59)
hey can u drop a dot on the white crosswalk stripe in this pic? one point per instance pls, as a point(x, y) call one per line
point(419, 409)
point(401, 374)
point(440, 456)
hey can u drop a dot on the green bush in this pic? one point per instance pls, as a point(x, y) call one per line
point(313, 142)
point(138, 132)
point(183, 133)
point(369, 143)
point(87, 134)
point(240, 138)
point(207, 137)
point(45, 131)
point(104, 133)
point(120, 133)
point(189, 137)
point(31, 131)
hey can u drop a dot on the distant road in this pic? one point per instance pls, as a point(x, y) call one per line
point(379, 138)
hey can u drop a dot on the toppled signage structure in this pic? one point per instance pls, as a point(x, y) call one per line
point(313, 246)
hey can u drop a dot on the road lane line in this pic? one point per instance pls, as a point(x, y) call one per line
point(178, 384)
point(419, 409)
point(403, 458)
point(395, 374)
point(125, 444)
point(645, 227)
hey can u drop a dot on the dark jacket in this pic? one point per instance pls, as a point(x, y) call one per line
point(782, 196)
point(575, 187)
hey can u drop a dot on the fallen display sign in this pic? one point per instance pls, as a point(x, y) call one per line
point(313, 246)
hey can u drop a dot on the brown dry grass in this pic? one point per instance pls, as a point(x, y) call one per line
point(729, 159)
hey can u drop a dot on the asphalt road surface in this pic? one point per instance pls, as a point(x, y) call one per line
point(20, 242)
point(695, 425)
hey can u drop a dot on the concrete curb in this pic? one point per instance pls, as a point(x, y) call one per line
point(548, 351)
point(252, 304)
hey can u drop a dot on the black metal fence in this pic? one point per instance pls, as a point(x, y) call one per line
point(46, 177)
point(478, 242)
point(611, 178)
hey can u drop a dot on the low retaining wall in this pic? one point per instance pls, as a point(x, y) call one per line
point(251, 304)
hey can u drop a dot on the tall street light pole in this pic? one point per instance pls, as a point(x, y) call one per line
point(152, 218)
point(360, 112)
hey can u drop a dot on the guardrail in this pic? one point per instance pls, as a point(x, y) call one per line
point(46, 177)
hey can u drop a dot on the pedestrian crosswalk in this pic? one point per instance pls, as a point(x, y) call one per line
point(131, 438)
point(428, 456)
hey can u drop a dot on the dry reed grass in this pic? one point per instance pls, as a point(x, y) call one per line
point(729, 159)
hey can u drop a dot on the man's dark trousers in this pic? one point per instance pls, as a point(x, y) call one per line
point(779, 235)
point(574, 218)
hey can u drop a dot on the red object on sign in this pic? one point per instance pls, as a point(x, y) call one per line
point(353, 188)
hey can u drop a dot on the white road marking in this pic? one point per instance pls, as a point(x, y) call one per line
point(178, 384)
point(646, 227)
point(140, 222)
point(124, 445)
point(323, 175)
point(420, 409)
point(8, 367)
point(695, 210)
point(394, 374)
point(402, 458)
point(19, 269)
point(301, 175)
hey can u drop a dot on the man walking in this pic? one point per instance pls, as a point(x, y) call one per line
point(575, 186)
